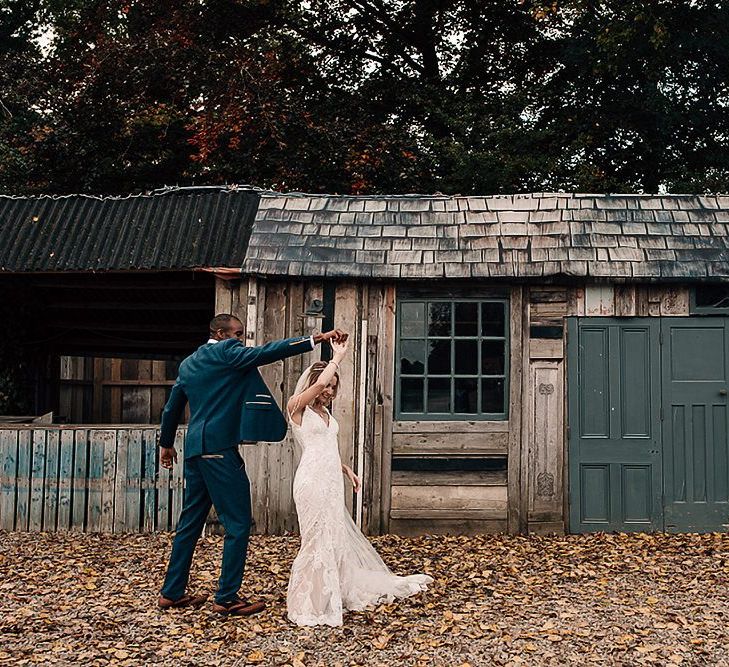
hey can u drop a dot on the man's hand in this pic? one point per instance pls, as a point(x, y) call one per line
point(167, 456)
point(337, 335)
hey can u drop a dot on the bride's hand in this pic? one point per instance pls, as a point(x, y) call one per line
point(356, 483)
point(340, 348)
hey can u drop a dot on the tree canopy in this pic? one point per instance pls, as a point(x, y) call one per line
point(364, 96)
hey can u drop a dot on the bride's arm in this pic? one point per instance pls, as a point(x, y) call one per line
point(298, 402)
point(356, 483)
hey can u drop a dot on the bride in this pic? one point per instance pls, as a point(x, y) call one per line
point(336, 569)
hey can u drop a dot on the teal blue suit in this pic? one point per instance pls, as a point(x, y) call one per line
point(229, 403)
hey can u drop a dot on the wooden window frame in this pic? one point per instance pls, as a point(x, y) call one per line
point(415, 296)
point(706, 310)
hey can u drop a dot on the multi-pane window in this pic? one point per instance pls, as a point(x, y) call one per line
point(452, 359)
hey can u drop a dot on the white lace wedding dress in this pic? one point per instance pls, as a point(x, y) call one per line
point(337, 568)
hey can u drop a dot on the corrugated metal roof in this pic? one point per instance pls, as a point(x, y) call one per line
point(176, 229)
point(620, 237)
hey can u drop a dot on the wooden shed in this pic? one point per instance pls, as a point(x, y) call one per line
point(526, 363)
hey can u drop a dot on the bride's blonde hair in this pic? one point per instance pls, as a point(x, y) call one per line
point(317, 368)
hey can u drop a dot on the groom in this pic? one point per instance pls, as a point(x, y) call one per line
point(229, 403)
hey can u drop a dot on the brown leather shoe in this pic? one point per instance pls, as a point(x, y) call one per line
point(185, 601)
point(238, 607)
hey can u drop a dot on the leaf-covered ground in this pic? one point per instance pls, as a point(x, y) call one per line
point(497, 600)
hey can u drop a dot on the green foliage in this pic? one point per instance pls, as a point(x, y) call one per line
point(364, 96)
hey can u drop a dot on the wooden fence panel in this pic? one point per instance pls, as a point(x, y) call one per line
point(109, 480)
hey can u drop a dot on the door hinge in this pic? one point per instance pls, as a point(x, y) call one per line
point(569, 432)
point(661, 413)
point(660, 336)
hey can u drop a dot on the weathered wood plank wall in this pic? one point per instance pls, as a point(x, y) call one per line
point(114, 391)
point(108, 478)
point(543, 464)
point(277, 309)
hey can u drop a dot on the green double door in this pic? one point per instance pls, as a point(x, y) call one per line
point(648, 413)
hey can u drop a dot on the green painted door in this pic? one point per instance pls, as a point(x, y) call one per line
point(695, 370)
point(614, 425)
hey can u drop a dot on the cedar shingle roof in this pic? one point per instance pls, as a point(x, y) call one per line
point(622, 237)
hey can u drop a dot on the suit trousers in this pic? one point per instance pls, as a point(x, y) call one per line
point(217, 480)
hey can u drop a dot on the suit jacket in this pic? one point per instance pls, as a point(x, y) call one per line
point(229, 401)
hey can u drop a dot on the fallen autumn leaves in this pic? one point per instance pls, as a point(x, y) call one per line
point(600, 599)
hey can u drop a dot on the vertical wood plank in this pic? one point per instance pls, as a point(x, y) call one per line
point(121, 480)
point(133, 491)
point(65, 402)
point(80, 486)
point(136, 401)
point(347, 317)
point(108, 441)
point(10, 477)
point(115, 392)
point(546, 441)
point(37, 474)
point(163, 486)
point(386, 388)
point(223, 296)
point(361, 379)
point(599, 301)
point(252, 314)
point(373, 422)
point(625, 301)
point(675, 301)
point(576, 301)
point(274, 328)
point(149, 443)
point(260, 500)
point(256, 460)
point(65, 480)
point(96, 476)
point(97, 401)
point(239, 299)
point(50, 500)
point(25, 455)
point(158, 393)
point(641, 300)
point(519, 356)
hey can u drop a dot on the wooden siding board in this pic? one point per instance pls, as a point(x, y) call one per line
point(347, 317)
point(518, 326)
point(9, 482)
point(106, 441)
point(149, 439)
point(65, 480)
point(80, 486)
point(426, 498)
point(37, 475)
point(450, 443)
point(546, 440)
point(50, 500)
point(132, 493)
point(386, 387)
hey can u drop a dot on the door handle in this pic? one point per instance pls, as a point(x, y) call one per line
point(722, 392)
